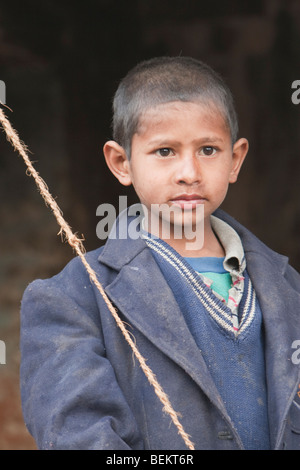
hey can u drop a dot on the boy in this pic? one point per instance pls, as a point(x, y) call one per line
point(215, 320)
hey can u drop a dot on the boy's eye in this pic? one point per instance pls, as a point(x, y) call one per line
point(208, 151)
point(164, 152)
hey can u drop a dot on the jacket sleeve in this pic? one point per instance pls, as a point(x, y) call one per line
point(70, 396)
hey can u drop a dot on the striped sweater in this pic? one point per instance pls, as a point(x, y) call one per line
point(234, 358)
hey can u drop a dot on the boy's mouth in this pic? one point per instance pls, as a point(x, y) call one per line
point(188, 201)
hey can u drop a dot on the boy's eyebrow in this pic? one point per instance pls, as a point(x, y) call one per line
point(201, 141)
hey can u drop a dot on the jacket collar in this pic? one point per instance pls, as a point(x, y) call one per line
point(121, 248)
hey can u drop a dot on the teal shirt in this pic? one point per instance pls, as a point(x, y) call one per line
point(213, 269)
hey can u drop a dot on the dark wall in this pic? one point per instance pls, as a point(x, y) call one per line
point(61, 62)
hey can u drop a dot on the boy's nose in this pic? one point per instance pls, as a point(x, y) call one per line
point(188, 170)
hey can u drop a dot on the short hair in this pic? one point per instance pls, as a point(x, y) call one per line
point(167, 79)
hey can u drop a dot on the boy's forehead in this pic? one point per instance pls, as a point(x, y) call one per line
point(154, 115)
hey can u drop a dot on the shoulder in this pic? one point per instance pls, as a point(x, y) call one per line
point(293, 278)
point(256, 249)
point(249, 240)
point(73, 280)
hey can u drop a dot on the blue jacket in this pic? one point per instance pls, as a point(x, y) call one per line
point(81, 386)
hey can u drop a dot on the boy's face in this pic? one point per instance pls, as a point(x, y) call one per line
point(182, 156)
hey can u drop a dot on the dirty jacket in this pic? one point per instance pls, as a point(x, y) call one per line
point(82, 387)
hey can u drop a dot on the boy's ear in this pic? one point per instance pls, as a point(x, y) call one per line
point(117, 161)
point(239, 152)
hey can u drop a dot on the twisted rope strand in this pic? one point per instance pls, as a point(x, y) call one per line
point(77, 245)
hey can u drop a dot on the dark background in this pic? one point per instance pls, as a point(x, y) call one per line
point(61, 62)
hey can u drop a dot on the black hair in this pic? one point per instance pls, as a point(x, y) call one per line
point(163, 80)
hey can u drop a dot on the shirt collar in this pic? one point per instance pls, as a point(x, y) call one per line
point(234, 261)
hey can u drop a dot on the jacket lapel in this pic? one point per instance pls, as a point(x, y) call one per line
point(280, 306)
point(145, 299)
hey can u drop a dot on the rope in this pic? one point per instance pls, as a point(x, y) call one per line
point(77, 245)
